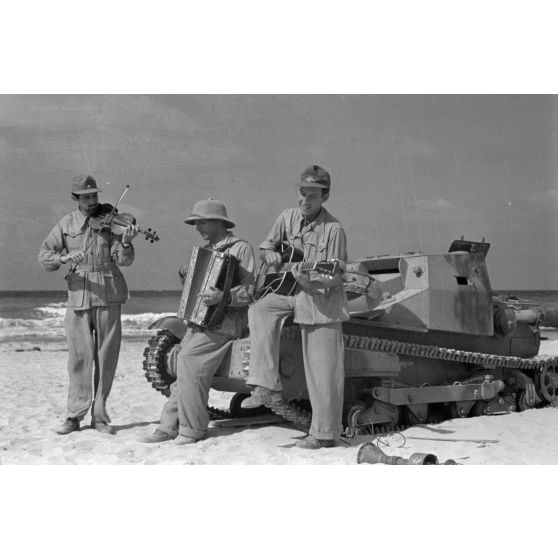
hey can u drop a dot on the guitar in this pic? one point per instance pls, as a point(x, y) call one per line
point(281, 281)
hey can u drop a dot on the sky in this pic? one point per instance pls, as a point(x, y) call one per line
point(409, 173)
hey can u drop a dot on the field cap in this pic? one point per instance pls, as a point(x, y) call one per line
point(209, 209)
point(315, 177)
point(84, 184)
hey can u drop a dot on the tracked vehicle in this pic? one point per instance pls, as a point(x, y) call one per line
point(427, 340)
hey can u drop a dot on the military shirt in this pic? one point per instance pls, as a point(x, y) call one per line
point(322, 239)
point(97, 280)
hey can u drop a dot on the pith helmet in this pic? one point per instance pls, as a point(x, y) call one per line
point(315, 177)
point(84, 184)
point(209, 209)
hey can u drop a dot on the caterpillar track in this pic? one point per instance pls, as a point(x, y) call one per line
point(292, 412)
point(155, 364)
point(538, 363)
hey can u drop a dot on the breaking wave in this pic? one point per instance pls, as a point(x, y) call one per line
point(47, 322)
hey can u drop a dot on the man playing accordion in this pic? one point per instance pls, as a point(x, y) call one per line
point(184, 417)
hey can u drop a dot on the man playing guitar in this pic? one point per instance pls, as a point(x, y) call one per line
point(318, 304)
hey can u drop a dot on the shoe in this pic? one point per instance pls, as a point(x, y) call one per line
point(314, 443)
point(156, 437)
point(69, 425)
point(182, 440)
point(102, 427)
point(261, 396)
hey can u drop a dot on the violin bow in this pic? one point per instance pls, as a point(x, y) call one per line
point(112, 213)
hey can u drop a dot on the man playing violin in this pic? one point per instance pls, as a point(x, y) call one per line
point(96, 291)
point(318, 305)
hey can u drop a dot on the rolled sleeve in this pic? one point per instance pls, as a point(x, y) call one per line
point(337, 246)
point(241, 293)
point(277, 232)
point(122, 256)
point(51, 249)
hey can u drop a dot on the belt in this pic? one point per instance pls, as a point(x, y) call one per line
point(98, 267)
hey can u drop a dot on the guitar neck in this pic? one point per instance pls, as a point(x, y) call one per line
point(304, 266)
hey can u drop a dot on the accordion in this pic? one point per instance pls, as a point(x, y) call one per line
point(208, 268)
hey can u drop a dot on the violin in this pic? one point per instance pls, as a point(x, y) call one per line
point(107, 217)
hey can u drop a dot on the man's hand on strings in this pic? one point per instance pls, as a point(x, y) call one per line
point(301, 276)
point(130, 232)
point(271, 258)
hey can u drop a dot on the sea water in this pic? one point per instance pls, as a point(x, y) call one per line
point(39, 315)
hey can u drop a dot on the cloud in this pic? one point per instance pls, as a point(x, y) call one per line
point(146, 133)
point(438, 204)
point(548, 197)
point(419, 148)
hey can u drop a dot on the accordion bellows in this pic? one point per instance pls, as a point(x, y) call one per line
point(208, 268)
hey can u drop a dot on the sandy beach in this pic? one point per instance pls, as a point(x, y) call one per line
point(226, 508)
point(33, 387)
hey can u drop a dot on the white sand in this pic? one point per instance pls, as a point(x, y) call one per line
point(33, 388)
point(254, 511)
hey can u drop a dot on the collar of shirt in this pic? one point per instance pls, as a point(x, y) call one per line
point(79, 219)
point(227, 240)
point(303, 224)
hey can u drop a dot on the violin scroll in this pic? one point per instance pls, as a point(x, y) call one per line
point(150, 235)
point(121, 221)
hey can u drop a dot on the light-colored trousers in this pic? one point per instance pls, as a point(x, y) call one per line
point(93, 337)
point(323, 353)
point(200, 355)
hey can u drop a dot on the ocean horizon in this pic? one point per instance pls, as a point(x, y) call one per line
point(35, 316)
